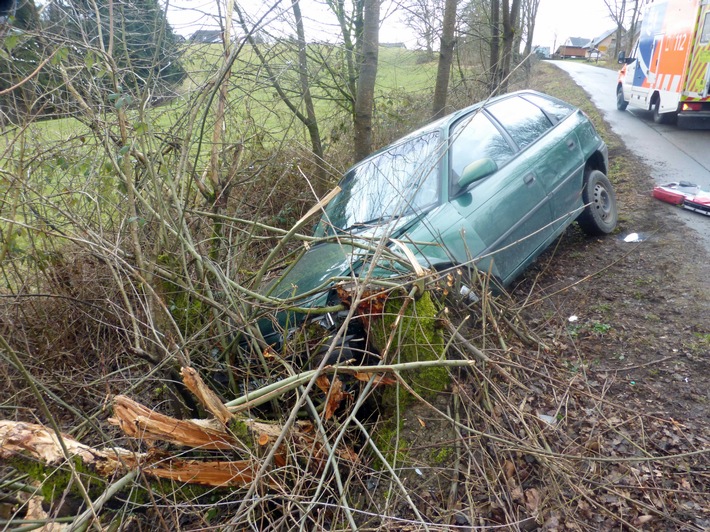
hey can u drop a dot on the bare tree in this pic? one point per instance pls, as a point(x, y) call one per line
point(528, 17)
point(446, 56)
point(425, 18)
point(631, 34)
point(302, 94)
point(364, 101)
point(617, 12)
point(350, 25)
point(311, 121)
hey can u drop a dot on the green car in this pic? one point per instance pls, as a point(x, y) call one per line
point(491, 185)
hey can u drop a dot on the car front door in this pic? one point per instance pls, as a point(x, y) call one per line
point(507, 209)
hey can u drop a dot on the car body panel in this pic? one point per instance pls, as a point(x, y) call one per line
point(561, 169)
point(513, 189)
point(409, 191)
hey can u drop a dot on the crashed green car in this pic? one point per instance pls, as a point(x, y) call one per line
point(489, 186)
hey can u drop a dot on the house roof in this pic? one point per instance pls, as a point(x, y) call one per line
point(599, 38)
point(207, 36)
point(577, 42)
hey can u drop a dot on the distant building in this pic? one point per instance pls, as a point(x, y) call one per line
point(392, 45)
point(207, 36)
point(604, 44)
point(598, 47)
point(572, 48)
point(542, 51)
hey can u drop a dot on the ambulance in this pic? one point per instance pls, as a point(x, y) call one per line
point(668, 71)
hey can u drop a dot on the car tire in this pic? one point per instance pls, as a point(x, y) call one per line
point(600, 214)
point(621, 104)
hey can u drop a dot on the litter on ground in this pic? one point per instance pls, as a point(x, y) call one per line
point(688, 195)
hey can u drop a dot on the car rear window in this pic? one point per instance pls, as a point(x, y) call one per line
point(473, 138)
point(555, 108)
point(523, 121)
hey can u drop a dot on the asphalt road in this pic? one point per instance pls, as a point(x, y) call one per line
point(672, 154)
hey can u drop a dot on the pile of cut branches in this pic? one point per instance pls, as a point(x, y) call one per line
point(511, 438)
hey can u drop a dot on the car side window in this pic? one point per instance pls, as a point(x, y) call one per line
point(523, 121)
point(473, 138)
point(557, 109)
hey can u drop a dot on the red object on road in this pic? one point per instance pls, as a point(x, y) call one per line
point(689, 195)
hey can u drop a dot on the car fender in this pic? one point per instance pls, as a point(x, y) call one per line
point(444, 237)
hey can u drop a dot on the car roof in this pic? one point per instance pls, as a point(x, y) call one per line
point(441, 123)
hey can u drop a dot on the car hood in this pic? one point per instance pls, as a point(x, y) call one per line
point(314, 269)
point(309, 275)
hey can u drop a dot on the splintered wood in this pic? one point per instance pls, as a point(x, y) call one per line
point(140, 422)
point(224, 432)
point(36, 442)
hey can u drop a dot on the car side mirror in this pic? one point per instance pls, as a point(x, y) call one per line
point(476, 171)
point(623, 60)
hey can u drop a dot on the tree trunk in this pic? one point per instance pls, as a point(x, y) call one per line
point(619, 36)
point(530, 18)
point(617, 13)
point(364, 101)
point(511, 14)
point(631, 34)
point(446, 56)
point(311, 123)
point(495, 46)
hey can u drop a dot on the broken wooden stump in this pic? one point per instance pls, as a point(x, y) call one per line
point(40, 451)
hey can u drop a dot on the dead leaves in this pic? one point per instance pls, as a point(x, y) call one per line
point(372, 301)
point(379, 380)
point(334, 394)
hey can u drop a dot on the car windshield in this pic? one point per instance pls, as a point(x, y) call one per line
point(399, 181)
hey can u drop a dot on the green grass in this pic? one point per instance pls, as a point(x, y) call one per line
point(63, 163)
point(255, 110)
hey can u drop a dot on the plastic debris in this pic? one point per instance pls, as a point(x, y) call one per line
point(550, 420)
point(685, 194)
point(634, 237)
point(572, 318)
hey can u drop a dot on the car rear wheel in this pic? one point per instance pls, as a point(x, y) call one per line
point(621, 104)
point(599, 216)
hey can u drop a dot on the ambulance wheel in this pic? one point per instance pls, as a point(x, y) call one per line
point(621, 104)
point(599, 216)
point(658, 117)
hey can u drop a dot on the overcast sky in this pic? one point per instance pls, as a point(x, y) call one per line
point(560, 19)
point(557, 19)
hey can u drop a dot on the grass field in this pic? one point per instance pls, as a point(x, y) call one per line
point(255, 110)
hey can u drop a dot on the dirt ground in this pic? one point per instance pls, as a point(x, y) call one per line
point(623, 374)
point(634, 319)
point(642, 308)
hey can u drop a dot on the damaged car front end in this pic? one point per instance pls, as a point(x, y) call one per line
point(487, 188)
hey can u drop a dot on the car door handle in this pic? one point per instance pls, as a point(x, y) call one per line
point(571, 144)
point(528, 179)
